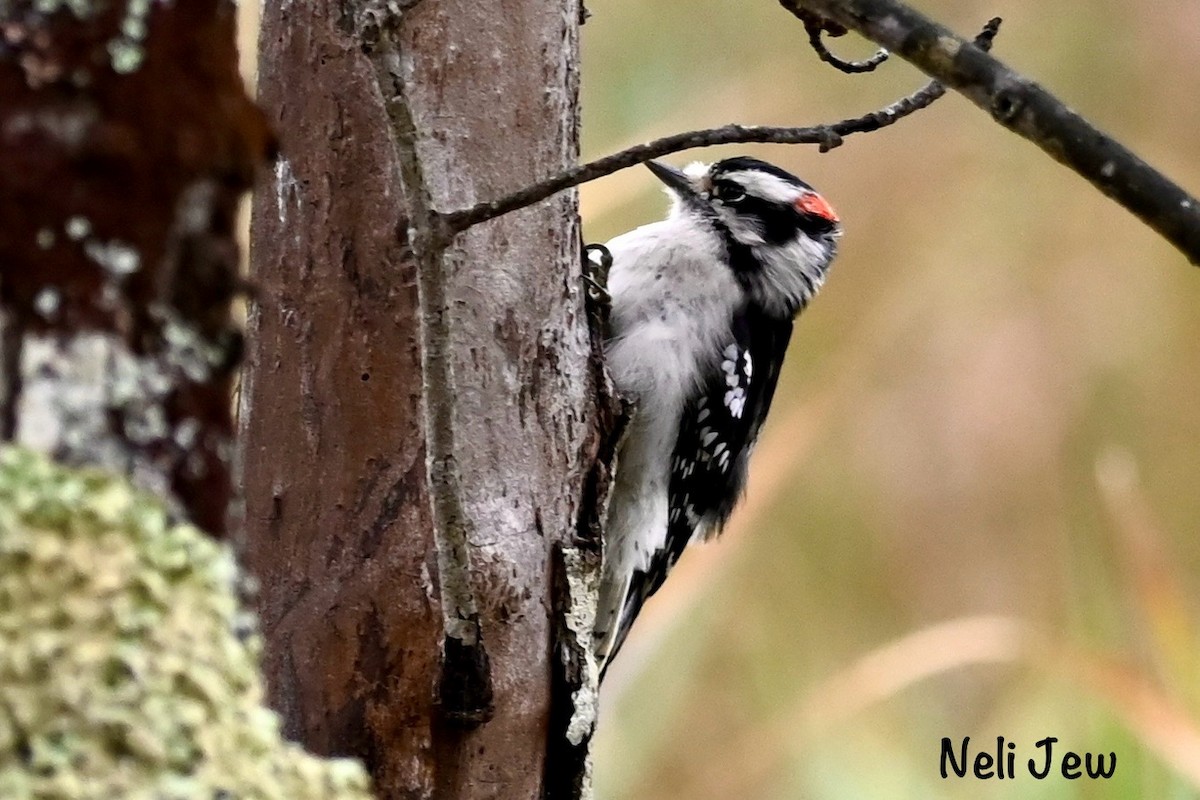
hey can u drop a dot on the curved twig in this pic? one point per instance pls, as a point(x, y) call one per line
point(815, 26)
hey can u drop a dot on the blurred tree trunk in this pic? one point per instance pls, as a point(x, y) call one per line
point(351, 518)
point(126, 142)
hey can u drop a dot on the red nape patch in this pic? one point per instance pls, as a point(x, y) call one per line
point(813, 203)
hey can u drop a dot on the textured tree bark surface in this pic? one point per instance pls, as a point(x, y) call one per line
point(339, 514)
point(126, 141)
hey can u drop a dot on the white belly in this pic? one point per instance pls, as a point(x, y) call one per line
point(669, 327)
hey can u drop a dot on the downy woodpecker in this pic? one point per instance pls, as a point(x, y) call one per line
point(702, 305)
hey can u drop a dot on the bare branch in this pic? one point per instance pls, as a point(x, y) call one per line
point(1023, 107)
point(465, 689)
point(458, 221)
point(930, 92)
point(827, 136)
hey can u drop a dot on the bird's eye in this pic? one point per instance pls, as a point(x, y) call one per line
point(729, 193)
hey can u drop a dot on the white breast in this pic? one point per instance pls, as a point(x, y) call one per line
point(673, 297)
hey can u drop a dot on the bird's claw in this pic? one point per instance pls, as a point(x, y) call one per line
point(597, 260)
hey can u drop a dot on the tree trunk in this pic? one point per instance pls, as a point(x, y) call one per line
point(394, 404)
point(126, 142)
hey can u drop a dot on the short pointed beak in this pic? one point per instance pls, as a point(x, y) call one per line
point(673, 178)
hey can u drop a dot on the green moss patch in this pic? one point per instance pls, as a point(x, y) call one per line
point(128, 668)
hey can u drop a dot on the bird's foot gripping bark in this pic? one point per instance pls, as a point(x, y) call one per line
point(597, 261)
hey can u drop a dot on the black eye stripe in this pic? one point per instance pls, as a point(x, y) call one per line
point(728, 191)
point(778, 221)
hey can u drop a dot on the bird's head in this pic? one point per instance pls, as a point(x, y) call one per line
point(779, 233)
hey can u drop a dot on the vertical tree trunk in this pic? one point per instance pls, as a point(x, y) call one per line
point(389, 407)
point(126, 141)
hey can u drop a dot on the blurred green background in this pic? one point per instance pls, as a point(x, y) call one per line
point(974, 509)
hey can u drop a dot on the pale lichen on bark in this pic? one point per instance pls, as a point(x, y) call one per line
point(583, 581)
point(84, 397)
point(129, 666)
point(89, 399)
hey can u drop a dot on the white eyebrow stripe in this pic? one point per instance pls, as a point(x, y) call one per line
point(765, 185)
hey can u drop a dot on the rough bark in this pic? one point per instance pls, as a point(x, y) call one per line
point(126, 140)
point(397, 407)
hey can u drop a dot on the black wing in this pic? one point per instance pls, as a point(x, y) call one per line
point(712, 452)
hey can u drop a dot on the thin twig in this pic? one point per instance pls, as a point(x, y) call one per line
point(458, 221)
point(932, 90)
point(827, 136)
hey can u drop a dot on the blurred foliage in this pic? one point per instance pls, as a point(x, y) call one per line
point(974, 509)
